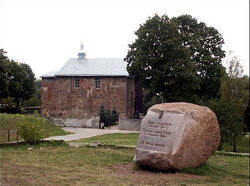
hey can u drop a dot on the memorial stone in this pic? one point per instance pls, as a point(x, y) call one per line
point(176, 136)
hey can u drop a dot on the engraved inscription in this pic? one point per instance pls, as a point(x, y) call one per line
point(161, 134)
point(155, 134)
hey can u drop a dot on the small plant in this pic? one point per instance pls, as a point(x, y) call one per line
point(36, 114)
point(23, 111)
point(32, 129)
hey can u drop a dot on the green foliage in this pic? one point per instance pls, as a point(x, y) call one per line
point(178, 58)
point(107, 117)
point(35, 100)
point(12, 121)
point(229, 119)
point(16, 79)
point(247, 116)
point(32, 129)
point(235, 86)
point(21, 82)
point(232, 104)
point(53, 130)
point(242, 145)
point(205, 47)
point(234, 99)
point(102, 114)
point(9, 102)
point(23, 111)
point(149, 100)
point(36, 114)
point(115, 115)
point(3, 75)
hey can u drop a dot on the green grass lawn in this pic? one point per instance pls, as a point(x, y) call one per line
point(112, 139)
point(10, 122)
point(49, 164)
point(132, 139)
point(242, 145)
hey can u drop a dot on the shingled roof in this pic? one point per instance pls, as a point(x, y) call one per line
point(92, 67)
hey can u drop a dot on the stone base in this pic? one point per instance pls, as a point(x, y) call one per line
point(79, 123)
point(174, 136)
point(129, 124)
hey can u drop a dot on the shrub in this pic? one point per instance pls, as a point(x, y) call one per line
point(102, 115)
point(31, 129)
point(115, 115)
point(107, 117)
point(36, 114)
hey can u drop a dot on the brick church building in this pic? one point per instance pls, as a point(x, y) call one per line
point(79, 88)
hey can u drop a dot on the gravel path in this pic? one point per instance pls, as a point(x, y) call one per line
point(86, 132)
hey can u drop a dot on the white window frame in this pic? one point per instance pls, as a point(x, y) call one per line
point(97, 83)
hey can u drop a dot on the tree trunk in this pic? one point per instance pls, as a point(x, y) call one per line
point(17, 103)
point(234, 144)
point(22, 102)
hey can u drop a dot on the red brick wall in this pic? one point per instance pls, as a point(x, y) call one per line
point(48, 96)
point(60, 97)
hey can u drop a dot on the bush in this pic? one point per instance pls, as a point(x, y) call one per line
point(109, 121)
point(107, 117)
point(102, 115)
point(32, 129)
point(115, 115)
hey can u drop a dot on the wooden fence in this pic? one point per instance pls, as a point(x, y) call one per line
point(8, 133)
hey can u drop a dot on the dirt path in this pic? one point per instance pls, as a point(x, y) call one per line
point(86, 132)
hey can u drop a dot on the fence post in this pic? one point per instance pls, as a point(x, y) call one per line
point(8, 135)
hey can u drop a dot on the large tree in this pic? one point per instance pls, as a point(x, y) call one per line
point(35, 100)
point(230, 121)
point(16, 79)
point(178, 58)
point(20, 81)
point(247, 116)
point(231, 106)
point(3, 74)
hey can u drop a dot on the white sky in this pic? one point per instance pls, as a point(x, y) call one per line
point(45, 33)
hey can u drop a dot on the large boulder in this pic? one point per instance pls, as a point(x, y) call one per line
point(176, 136)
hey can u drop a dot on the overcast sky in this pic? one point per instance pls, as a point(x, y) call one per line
point(46, 33)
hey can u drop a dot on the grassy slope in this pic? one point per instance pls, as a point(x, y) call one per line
point(63, 165)
point(132, 139)
point(10, 121)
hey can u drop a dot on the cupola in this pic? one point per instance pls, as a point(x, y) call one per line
point(81, 54)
